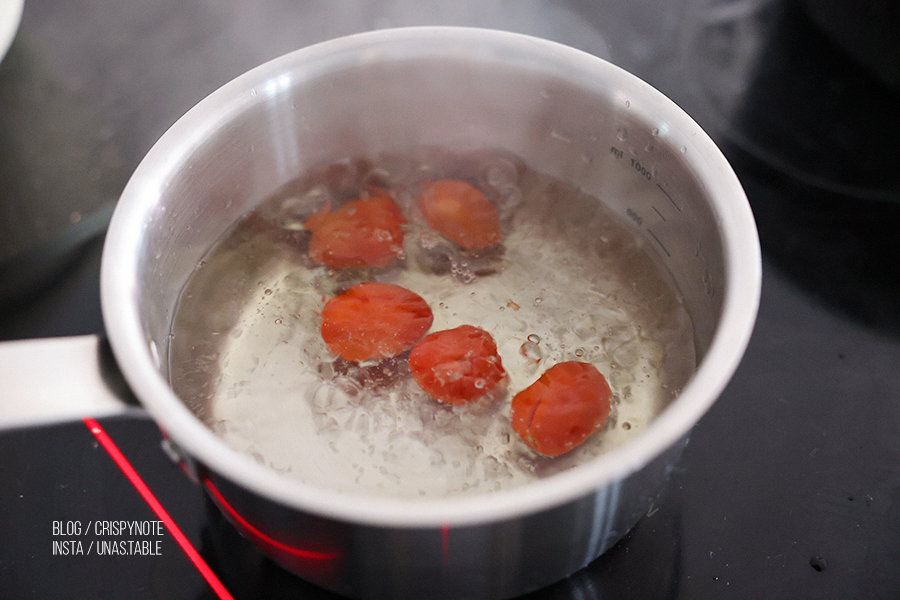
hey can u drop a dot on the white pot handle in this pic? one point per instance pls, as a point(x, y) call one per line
point(53, 380)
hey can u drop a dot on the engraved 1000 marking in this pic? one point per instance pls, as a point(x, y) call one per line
point(635, 164)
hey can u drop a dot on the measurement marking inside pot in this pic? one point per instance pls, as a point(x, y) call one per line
point(661, 216)
point(653, 235)
point(675, 204)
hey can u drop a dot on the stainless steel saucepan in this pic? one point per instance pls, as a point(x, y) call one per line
point(567, 114)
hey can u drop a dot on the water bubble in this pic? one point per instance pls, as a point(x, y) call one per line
point(655, 132)
point(362, 425)
point(579, 352)
point(626, 425)
point(377, 177)
point(532, 351)
point(268, 292)
point(501, 175)
point(622, 134)
point(428, 241)
point(534, 338)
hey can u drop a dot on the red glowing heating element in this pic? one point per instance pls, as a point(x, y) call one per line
point(445, 542)
point(262, 537)
point(148, 496)
point(322, 558)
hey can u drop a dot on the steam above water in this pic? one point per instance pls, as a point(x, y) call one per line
point(571, 283)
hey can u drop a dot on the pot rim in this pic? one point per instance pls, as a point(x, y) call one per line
point(119, 277)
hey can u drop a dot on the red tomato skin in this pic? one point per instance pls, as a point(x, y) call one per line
point(362, 233)
point(457, 366)
point(558, 412)
point(461, 213)
point(374, 320)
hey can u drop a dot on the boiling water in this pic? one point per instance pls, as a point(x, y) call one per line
point(571, 282)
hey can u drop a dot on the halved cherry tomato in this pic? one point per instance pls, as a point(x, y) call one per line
point(374, 320)
point(568, 403)
point(461, 213)
point(362, 233)
point(457, 366)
